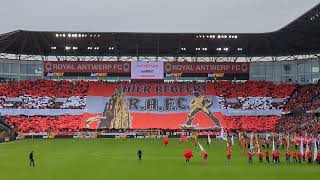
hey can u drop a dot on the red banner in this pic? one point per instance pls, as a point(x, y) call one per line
point(87, 67)
point(207, 67)
point(154, 105)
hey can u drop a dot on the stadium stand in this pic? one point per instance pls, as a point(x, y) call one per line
point(229, 89)
point(306, 97)
point(250, 95)
point(250, 123)
point(57, 124)
point(45, 94)
point(302, 123)
point(44, 88)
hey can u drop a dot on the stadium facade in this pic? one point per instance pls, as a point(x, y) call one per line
point(290, 54)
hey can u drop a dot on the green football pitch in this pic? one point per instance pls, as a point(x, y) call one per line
point(84, 159)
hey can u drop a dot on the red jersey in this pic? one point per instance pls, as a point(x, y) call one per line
point(299, 155)
point(294, 154)
point(267, 153)
point(249, 155)
point(205, 155)
point(268, 141)
point(188, 154)
point(318, 157)
point(260, 155)
point(277, 154)
point(165, 140)
point(309, 155)
point(287, 154)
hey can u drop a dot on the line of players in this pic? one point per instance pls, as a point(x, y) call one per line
point(297, 156)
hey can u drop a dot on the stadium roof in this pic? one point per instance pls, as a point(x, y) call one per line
point(299, 37)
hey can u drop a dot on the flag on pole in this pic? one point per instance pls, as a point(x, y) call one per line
point(273, 147)
point(251, 143)
point(195, 137)
point(208, 139)
point(240, 142)
point(232, 140)
point(223, 135)
point(203, 151)
point(307, 148)
point(229, 151)
point(315, 150)
point(301, 146)
point(201, 148)
point(257, 145)
point(288, 143)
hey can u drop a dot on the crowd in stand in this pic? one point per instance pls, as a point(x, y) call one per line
point(57, 124)
point(250, 123)
point(42, 102)
point(305, 98)
point(250, 95)
point(250, 103)
point(229, 89)
point(45, 88)
point(301, 123)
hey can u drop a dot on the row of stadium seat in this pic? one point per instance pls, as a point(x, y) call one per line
point(42, 102)
point(309, 124)
point(80, 88)
point(250, 95)
point(306, 97)
point(37, 124)
point(251, 103)
point(252, 89)
point(45, 88)
point(60, 124)
point(250, 123)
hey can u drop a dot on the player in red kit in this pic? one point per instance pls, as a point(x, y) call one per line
point(260, 156)
point(309, 157)
point(299, 157)
point(268, 143)
point(205, 155)
point(250, 156)
point(278, 156)
point(263, 144)
point(287, 157)
point(294, 156)
point(165, 140)
point(267, 156)
point(283, 143)
point(274, 156)
point(278, 144)
point(188, 155)
point(229, 152)
point(318, 158)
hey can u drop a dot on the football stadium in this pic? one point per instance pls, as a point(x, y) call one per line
point(161, 105)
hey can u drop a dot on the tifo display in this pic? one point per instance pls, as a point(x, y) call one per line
point(67, 107)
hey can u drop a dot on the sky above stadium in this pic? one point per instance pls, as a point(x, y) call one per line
point(239, 16)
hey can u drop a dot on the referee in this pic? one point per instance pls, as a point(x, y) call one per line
point(31, 159)
point(139, 154)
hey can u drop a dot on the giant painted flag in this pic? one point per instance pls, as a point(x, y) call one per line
point(156, 105)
